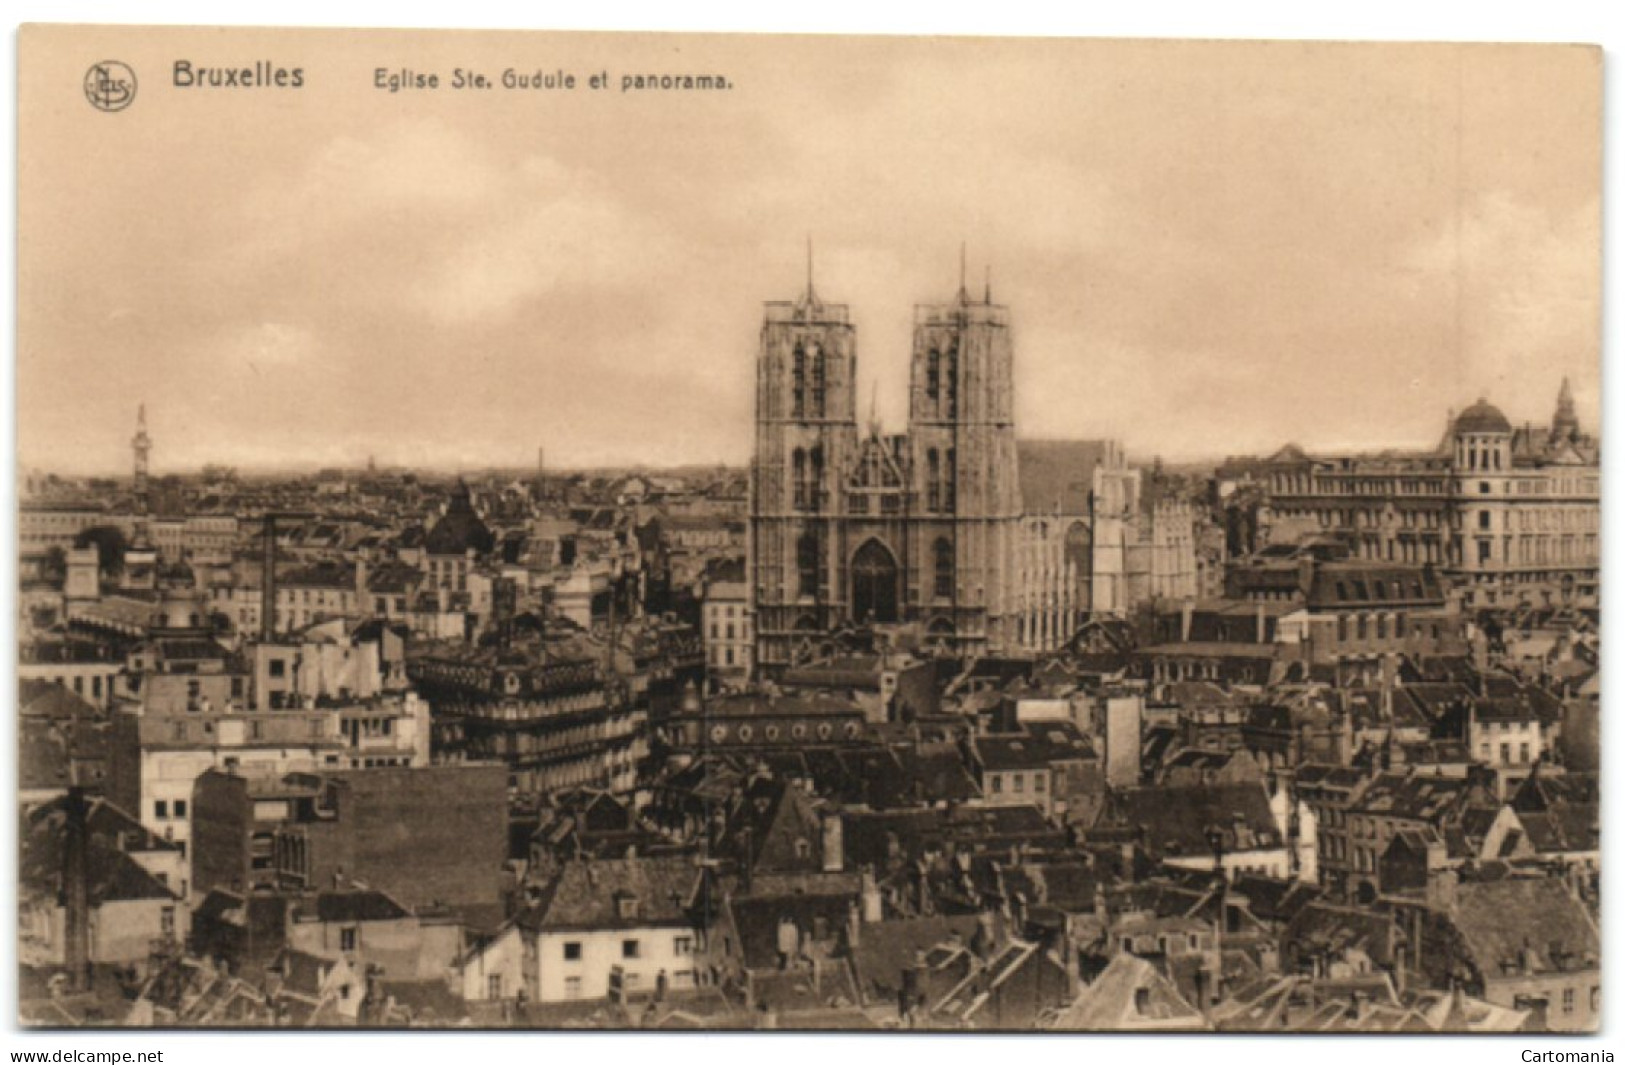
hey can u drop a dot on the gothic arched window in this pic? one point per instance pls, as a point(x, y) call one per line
point(807, 564)
point(798, 383)
point(933, 480)
point(951, 371)
point(949, 471)
point(815, 477)
point(942, 559)
point(933, 375)
point(817, 408)
point(799, 478)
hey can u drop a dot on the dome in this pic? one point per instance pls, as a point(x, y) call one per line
point(459, 529)
point(1482, 417)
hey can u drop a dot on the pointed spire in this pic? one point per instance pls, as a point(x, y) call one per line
point(964, 296)
point(874, 406)
point(810, 298)
point(987, 283)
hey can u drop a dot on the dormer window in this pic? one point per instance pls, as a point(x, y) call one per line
point(626, 906)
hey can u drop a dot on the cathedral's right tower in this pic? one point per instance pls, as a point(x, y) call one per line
point(962, 435)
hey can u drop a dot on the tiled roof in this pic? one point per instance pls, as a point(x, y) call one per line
point(1129, 993)
point(1507, 924)
point(1176, 820)
point(341, 907)
point(587, 895)
point(1057, 475)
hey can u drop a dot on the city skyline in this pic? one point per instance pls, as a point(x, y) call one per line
point(1409, 228)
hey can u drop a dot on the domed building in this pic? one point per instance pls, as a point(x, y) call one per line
point(1510, 512)
point(456, 543)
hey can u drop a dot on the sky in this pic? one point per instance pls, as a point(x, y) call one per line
point(1207, 248)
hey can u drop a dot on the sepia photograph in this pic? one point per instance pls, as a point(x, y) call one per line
point(670, 532)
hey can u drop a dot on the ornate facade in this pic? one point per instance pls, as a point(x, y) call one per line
point(949, 527)
point(866, 528)
point(1512, 514)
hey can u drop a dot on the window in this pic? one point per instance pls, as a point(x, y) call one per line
point(279, 668)
point(682, 946)
point(347, 938)
point(817, 385)
point(1506, 754)
point(1021, 782)
point(572, 987)
point(998, 784)
point(572, 952)
point(160, 809)
point(1568, 1000)
point(1523, 753)
point(1483, 519)
point(180, 807)
point(1038, 781)
point(807, 564)
point(629, 948)
point(493, 986)
point(943, 567)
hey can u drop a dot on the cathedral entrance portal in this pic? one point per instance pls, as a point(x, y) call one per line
point(874, 585)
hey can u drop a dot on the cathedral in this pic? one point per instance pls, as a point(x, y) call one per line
point(941, 528)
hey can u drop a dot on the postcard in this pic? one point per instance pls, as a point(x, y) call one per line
point(798, 533)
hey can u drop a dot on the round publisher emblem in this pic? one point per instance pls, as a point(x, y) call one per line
point(110, 86)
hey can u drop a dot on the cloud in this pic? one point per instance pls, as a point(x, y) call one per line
point(1526, 277)
point(549, 232)
point(270, 346)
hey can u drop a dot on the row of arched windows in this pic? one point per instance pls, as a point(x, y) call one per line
point(807, 551)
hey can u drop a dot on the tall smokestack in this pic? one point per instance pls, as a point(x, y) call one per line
point(76, 889)
point(268, 582)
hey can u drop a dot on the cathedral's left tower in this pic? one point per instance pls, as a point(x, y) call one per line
point(806, 432)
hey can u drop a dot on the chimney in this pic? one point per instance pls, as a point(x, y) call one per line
point(924, 903)
point(834, 844)
point(268, 581)
point(1357, 1007)
point(870, 893)
point(76, 889)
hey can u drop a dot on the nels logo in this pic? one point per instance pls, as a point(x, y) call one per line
point(110, 86)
